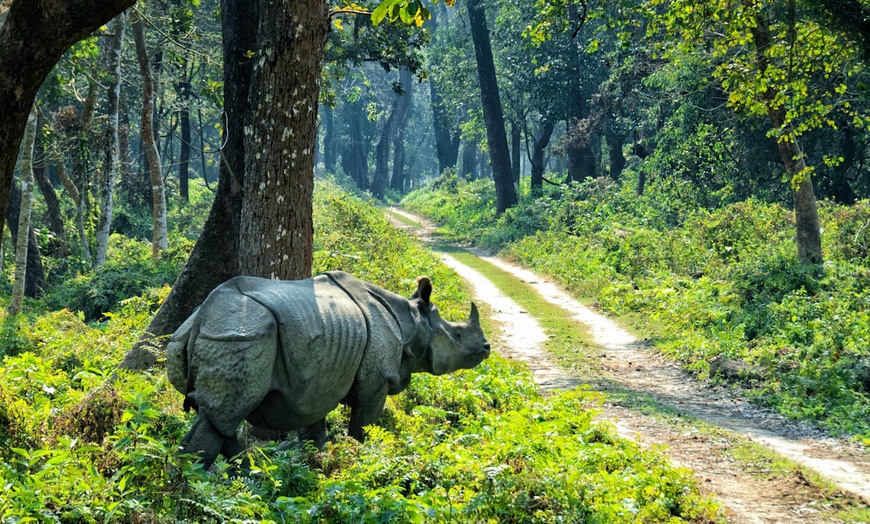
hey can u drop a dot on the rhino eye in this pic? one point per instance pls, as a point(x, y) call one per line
point(458, 336)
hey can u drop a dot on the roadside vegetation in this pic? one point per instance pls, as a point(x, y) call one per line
point(719, 289)
point(79, 445)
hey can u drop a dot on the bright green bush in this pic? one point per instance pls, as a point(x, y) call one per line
point(128, 271)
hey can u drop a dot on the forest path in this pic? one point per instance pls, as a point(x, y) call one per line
point(652, 401)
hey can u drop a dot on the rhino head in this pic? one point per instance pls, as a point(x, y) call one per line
point(454, 345)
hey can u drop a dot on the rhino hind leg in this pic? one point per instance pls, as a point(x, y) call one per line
point(206, 441)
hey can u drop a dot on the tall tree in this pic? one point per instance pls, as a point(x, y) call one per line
point(113, 44)
point(33, 36)
point(160, 235)
point(499, 154)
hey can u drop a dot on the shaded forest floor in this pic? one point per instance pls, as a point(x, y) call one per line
point(762, 467)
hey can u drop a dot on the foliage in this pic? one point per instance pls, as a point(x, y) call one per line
point(710, 284)
point(129, 271)
point(78, 444)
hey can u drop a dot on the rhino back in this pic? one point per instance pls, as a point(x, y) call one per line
point(322, 337)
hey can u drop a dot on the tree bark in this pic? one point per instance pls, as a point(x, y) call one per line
point(33, 37)
point(277, 229)
point(160, 236)
point(499, 155)
point(15, 302)
point(107, 183)
point(34, 277)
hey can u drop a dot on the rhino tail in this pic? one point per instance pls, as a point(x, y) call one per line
point(178, 359)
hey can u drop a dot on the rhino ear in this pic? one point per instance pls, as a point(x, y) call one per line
point(424, 289)
point(475, 316)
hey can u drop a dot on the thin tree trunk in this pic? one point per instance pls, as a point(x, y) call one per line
point(516, 138)
point(26, 171)
point(58, 245)
point(34, 277)
point(615, 142)
point(397, 181)
point(159, 240)
point(107, 183)
point(469, 161)
point(79, 202)
point(184, 90)
point(395, 122)
point(329, 153)
point(499, 155)
point(541, 141)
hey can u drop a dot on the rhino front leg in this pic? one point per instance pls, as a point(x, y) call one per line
point(366, 412)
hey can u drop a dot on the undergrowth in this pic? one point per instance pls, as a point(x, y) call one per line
point(710, 284)
point(81, 442)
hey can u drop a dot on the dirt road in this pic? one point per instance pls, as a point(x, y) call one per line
point(708, 447)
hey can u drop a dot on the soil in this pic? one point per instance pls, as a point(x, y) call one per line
point(747, 490)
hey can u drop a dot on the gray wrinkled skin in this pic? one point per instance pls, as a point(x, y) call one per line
point(283, 354)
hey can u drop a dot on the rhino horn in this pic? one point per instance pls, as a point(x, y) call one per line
point(475, 316)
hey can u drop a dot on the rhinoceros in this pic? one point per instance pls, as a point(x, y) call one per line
point(283, 354)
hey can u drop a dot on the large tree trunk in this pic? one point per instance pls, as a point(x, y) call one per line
point(114, 44)
point(277, 230)
point(160, 236)
point(26, 171)
point(499, 155)
point(220, 235)
point(33, 37)
point(541, 141)
point(806, 212)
